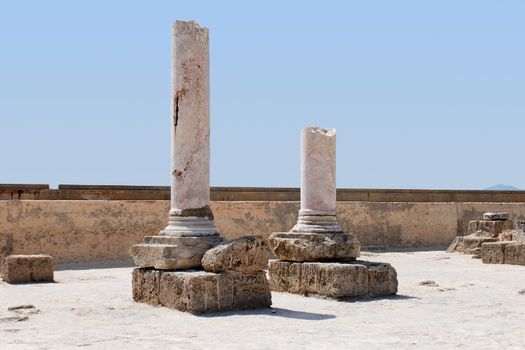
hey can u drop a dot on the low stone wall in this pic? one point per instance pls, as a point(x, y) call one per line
point(90, 230)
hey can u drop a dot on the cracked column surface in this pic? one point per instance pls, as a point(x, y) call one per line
point(317, 236)
point(190, 231)
point(190, 125)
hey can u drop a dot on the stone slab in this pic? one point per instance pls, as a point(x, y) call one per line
point(27, 268)
point(172, 253)
point(199, 291)
point(500, 216)
point(333, 280)
point(245, 254)
point(300, 247)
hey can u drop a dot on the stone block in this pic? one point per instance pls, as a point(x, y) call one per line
point(469, 244)
point(515, 254)
point(336, 280)
point(172, 253)
point(492, 227)
point(27, 268)
point(245, 254)
point(500, 216)
point(493, 252)
point(200, 291)
point(300, 247)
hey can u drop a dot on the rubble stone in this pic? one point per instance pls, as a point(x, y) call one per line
point(493, 252)
point(500, 216)
point(515, 254)
point(332, 279)
point(245, 254)
point(27, 268)
point(172, 253)
point(494, 228)
point(291, 246)
point(199, 291)
point(469, 244)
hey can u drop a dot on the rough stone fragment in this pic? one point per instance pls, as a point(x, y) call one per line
point(494, 228)
point(245, 254)
point(493, 252)
point(515, 254)
point(500, 216)
point(469, 244)
point(291, 246)
point(171, 253)
point(333, 280)
point(512, 235)
point(27, 268)
point(199, 291)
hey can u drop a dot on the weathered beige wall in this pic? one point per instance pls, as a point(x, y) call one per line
point(88, 230)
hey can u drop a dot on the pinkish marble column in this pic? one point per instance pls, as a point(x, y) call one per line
point(190, 125)
point(318, 185)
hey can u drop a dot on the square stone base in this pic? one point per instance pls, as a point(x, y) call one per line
point(27, 268)
point(333, 280)
point(199, 291)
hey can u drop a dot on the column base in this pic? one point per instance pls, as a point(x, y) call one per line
point(172, 253)
point(198, 291)
point(294, 246)
point(333, 280)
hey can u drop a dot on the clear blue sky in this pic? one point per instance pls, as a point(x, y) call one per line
point(423, 94)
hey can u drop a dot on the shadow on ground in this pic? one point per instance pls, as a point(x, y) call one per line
point(274, 312)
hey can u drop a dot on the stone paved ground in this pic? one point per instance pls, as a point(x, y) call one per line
point(470, 304)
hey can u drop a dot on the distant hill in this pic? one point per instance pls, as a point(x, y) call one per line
point(502, 187)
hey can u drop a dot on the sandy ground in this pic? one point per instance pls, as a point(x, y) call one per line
point(471, 305)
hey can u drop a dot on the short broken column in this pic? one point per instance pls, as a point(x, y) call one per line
point(317, 256)
point(169, 264)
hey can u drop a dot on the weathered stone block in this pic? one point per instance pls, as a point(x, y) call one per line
point(493, 252)
point(515, 254)
point(333, 280)
point(500, 216)
point(245, 254)
point(172, 253)
point(27, 268)
point(291, 246)
point(200, 291)
point(469, 244)
point(492, 227)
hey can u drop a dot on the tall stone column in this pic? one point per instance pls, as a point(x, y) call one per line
point(190, 214)
point(317, 236)
point(190, 231)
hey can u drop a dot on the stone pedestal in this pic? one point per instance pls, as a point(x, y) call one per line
point(333, 280)
point(316, 256)
point(200, 291)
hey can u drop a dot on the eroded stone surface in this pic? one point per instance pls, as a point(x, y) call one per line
point(504, 252)
point(491, 227)
point(199, 291)
point(172, 253)
point(291, 246)
point(27, 268)
point(333, 280)
point(471, 244)
point(245, 254)
point(500, 216)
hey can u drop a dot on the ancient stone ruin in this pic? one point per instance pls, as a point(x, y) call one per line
point(27, 268)
point(494, 239)
point(170, 271)
point(481, 231)
point(317, 257)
